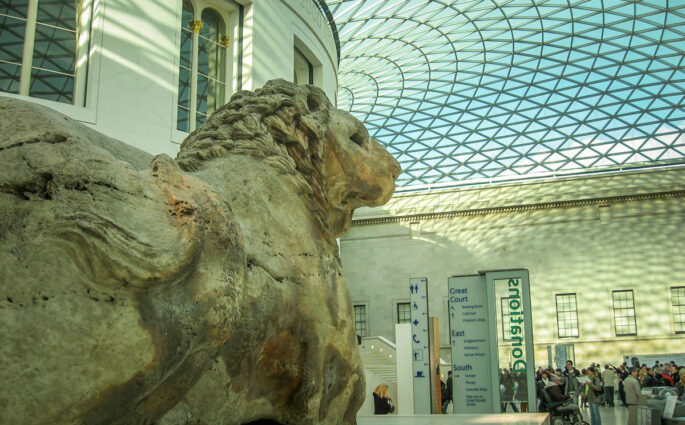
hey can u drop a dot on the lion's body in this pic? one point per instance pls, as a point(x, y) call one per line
point(214, 294)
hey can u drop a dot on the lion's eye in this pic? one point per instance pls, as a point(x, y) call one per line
point(360, 136)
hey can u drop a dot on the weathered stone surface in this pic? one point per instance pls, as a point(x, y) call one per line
point(206, 290)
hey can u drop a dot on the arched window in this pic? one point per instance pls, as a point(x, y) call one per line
point(44, 48)
point(202, 67)
point(185, 68)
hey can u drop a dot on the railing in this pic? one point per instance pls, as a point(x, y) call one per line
point(325, 11)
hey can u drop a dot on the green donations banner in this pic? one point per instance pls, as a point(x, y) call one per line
point(491, 340)
point(515, 324)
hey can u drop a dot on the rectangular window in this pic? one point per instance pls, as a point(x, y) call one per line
point(624, 313)
point(678, 303)
point(403, 313)
point(44, 48)
point(360, 320)
point(567, 316)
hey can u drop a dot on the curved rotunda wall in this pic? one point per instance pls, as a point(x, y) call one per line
point(134, 60)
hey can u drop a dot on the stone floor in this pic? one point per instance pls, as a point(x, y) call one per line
point(610, 416)
point(617, 415)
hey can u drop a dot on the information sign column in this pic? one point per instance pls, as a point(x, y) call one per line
point(470, 339)
point(418, 290)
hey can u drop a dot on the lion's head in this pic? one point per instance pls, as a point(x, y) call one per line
point(326, 152)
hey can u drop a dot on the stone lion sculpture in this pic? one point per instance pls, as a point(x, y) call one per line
point(202, 290)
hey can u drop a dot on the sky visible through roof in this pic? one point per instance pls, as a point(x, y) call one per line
point(468, 92)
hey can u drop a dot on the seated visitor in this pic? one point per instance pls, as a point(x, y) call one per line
point(555, 394)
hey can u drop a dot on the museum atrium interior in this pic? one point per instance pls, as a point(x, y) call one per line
point(532, 134)
point(543, 135)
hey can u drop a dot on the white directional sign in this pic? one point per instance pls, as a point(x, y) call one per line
point(418, 291)
point(470, 340)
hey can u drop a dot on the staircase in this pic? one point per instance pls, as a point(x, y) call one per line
point(378, 357)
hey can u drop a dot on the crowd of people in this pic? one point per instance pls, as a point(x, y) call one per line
point(588, 388)
point(594, 386)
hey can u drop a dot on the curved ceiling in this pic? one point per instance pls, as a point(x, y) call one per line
point(468, 92)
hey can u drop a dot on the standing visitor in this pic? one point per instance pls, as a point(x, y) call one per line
point(522, 391)
point(622, 375)
point(593, 394)
point(632, 389)
point(381, 402)
point(583, 394)
point(609, 377)
point(571, 375)
point(447, 396)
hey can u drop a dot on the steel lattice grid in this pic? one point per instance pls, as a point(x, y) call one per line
point(478, 91)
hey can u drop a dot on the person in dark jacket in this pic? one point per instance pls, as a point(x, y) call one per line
point(521, 394)
point(507, 382)
point(664, 377)
point(447, 394)
point(554, 390)
point(381, 402)
point(647, 379)
point(622, 375)
point(571, 375)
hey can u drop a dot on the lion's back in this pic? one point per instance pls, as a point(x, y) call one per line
point(92, 234)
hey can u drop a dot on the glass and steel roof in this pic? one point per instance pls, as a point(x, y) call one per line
point(466, 92)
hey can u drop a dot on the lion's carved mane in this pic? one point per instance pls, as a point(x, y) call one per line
point(281, 123)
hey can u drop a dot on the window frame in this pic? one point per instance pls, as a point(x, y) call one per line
point(397, 312)
point(83, 34)
point(315, 67)
point(676, 309)
point(618, 309)
point(228, 20)
point(366, 319)
point(310, 67)
point(574, 310)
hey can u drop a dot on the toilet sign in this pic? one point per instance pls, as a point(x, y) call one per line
point(418, 300)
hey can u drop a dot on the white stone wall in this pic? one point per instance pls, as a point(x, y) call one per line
point(132, 84)
point(278, 25)
point(587, 235)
